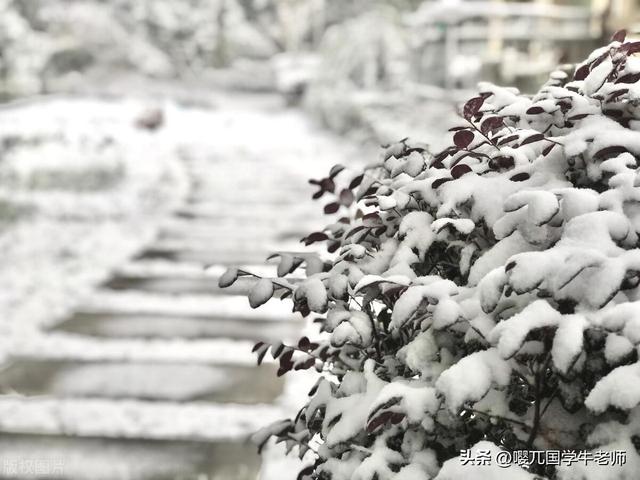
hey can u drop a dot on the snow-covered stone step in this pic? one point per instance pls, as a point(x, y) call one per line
point(212, 230)
point(58, 456)
point(257, 194)
point(144, 381)
point(172, 284)
point(205, 257)
point(109, 418)
point(168, 327)
point(219, 306)
point(295, 209)
point(164, 268)
point(69, 346)
point(215, 245)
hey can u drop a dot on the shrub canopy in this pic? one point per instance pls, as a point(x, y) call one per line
point(484, 297)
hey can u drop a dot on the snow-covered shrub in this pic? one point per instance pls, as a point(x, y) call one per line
point(482, 298)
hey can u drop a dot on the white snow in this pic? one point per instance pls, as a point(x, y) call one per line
point(620, 388)
point(455, 468)
point(470, 378)
point(133, 418)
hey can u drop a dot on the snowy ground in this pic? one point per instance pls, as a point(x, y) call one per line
point(83, 190)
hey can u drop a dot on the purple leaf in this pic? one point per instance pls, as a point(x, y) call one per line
point(578, 117)
point(502, 162)
point(609, 152)
point(346, 197)
point(629, 78)
point(581, 73)
point(460, 170)
point(472, 107)
point(533, 138)
point(548, 149)
point(316, 237)
point(331, 208)
point(327, 185)
point(619, 36)
point(335, 170)
point(631, 48)
point(520, 177)
point(535, 110)
point(491, 124)
point(463, 138)
point(356, 181)
point(439, 181)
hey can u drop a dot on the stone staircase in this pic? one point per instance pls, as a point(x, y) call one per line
point(152, 377)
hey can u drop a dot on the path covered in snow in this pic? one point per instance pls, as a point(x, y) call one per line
point(149, 374)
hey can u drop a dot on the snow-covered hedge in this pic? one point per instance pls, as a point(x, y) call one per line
point(482, 298)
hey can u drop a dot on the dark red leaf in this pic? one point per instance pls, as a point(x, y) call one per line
point(578, 117)
point(356, 181)
point(491, 124)
point(535, 110)
point(261, 355)
point(548, 149)
point(631, 48)
point(609, 152)
point(439, 181)
point(472, 107)
point(304, 343)
point(335, 170)
point(507, 139)
point(316, 237)
point(355, 230)
point(276, 350)
point(463, 138)
point(598, 60)
point(257, 346)
point(455, 129)
point(617, 93)
point(619, 36)
point(612, 112)
point(520, 177)
point(629, 78)
point(372, 218)
point(502, 162)
point(533, 138)
point(378, 421)
point(305, 365)
point(318, 194)
point(460, 170)
point(379, 231)
point(331, 207)
point(396, 418)
point(333, 246)
point(327, 185)
point(346, 197)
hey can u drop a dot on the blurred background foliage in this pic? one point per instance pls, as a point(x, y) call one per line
point(349, 58)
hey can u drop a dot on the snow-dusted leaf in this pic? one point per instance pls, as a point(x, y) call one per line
point(471, 378)
point(567, 342)
point(261, 292)
point(620, 389)
point(228, 278)
point(510, 334)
